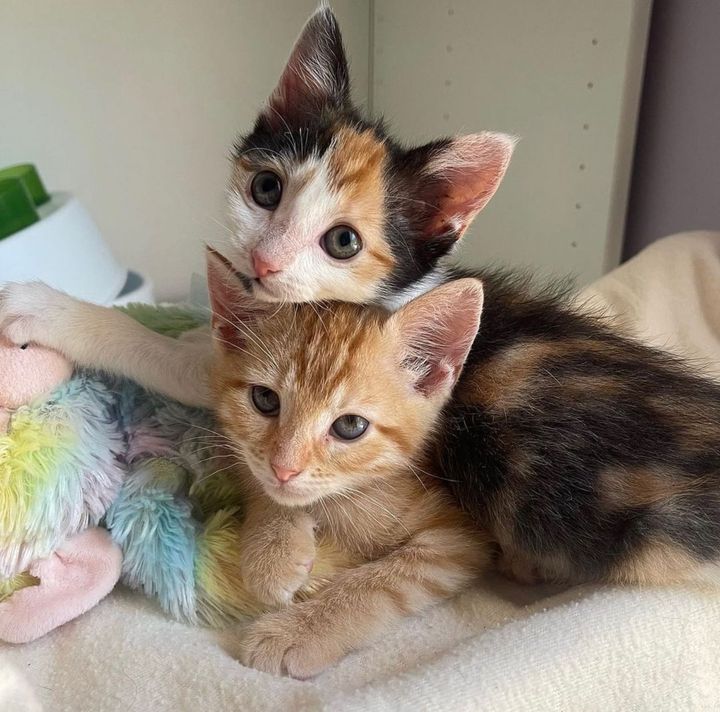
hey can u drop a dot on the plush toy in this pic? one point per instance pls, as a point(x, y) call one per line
point(85, 449)
point(59, 472)
point(178, 516)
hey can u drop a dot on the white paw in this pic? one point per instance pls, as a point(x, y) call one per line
point(30, 312)
point(292, 642)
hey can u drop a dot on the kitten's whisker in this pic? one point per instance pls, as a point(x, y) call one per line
point(320, 319)
point(191, 425)
point(430, 474)
point(417, 476)
point(214, 440)
point(262, 150)
point(222, 225)
point(366, 495)
point(354, 502)
point(214, 457)
point(246, 331)
point(214, 473)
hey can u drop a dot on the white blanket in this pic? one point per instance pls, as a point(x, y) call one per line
point(498, 647)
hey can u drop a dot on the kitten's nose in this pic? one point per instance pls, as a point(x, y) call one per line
point(284, 474)
point(262, 267)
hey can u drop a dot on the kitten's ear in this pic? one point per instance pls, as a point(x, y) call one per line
point(315, 76)
point(233, 309)
point(457, 178)
point(436, 332)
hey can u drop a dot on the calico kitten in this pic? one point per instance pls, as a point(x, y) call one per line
point(322, 198)
point(587, 455)
point(330, 405)
point(324, 205)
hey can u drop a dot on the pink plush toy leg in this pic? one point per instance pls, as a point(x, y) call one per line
point(73, 580)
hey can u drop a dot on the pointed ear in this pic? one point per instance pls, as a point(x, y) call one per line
point(436, 332)
point(457, 179)
point(315, 76)
point(233, 309)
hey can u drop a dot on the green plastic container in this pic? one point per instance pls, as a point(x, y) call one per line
point(17, 208)
point(27, 173)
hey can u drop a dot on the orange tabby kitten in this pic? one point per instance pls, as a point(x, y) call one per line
point(329, 406)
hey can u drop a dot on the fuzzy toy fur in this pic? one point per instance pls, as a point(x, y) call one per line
point(59, 472)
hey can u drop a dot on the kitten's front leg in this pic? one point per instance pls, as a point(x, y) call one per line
point(106, 339)
point(357, 606)
point(278, 552)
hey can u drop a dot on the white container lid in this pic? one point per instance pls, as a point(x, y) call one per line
point(66, 251)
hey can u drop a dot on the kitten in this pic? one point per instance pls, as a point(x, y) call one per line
point(324, 205)
point(329, 406)
point(587, 455)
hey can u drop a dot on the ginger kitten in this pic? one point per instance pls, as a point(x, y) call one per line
point(330, 405)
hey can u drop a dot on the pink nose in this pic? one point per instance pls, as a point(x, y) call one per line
point(262, 268)
point(284, 474)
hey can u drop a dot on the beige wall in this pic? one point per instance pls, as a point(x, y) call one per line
point(564, 75)
point(134, 106)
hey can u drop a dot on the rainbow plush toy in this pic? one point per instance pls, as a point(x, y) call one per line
point(60, 470)
point(102, 481)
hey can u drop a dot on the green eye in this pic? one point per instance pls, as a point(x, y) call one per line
point(349, 427)
point(341, 242)
point(265, 400)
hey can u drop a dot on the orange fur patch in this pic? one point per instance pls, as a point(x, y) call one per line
point(656, 564)
point(356, 167)
point(644, 487)
point(503, 381)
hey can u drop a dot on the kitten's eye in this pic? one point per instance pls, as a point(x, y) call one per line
point(266, 401)
point(341, 242)
point(266, 189)
point(349, 427)
point(24, 346)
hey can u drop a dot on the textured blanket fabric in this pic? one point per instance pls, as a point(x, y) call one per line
point(498, 647)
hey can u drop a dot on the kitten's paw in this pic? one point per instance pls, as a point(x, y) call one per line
point(30, 312)
point(286, 643)
point(277, 566)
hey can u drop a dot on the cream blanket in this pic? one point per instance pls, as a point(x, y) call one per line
point(498, 647)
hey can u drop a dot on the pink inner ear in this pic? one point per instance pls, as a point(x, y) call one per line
point(437, 331)
point(439, 376)
point(316, 74)
point(232, 307)
point(464, 177)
